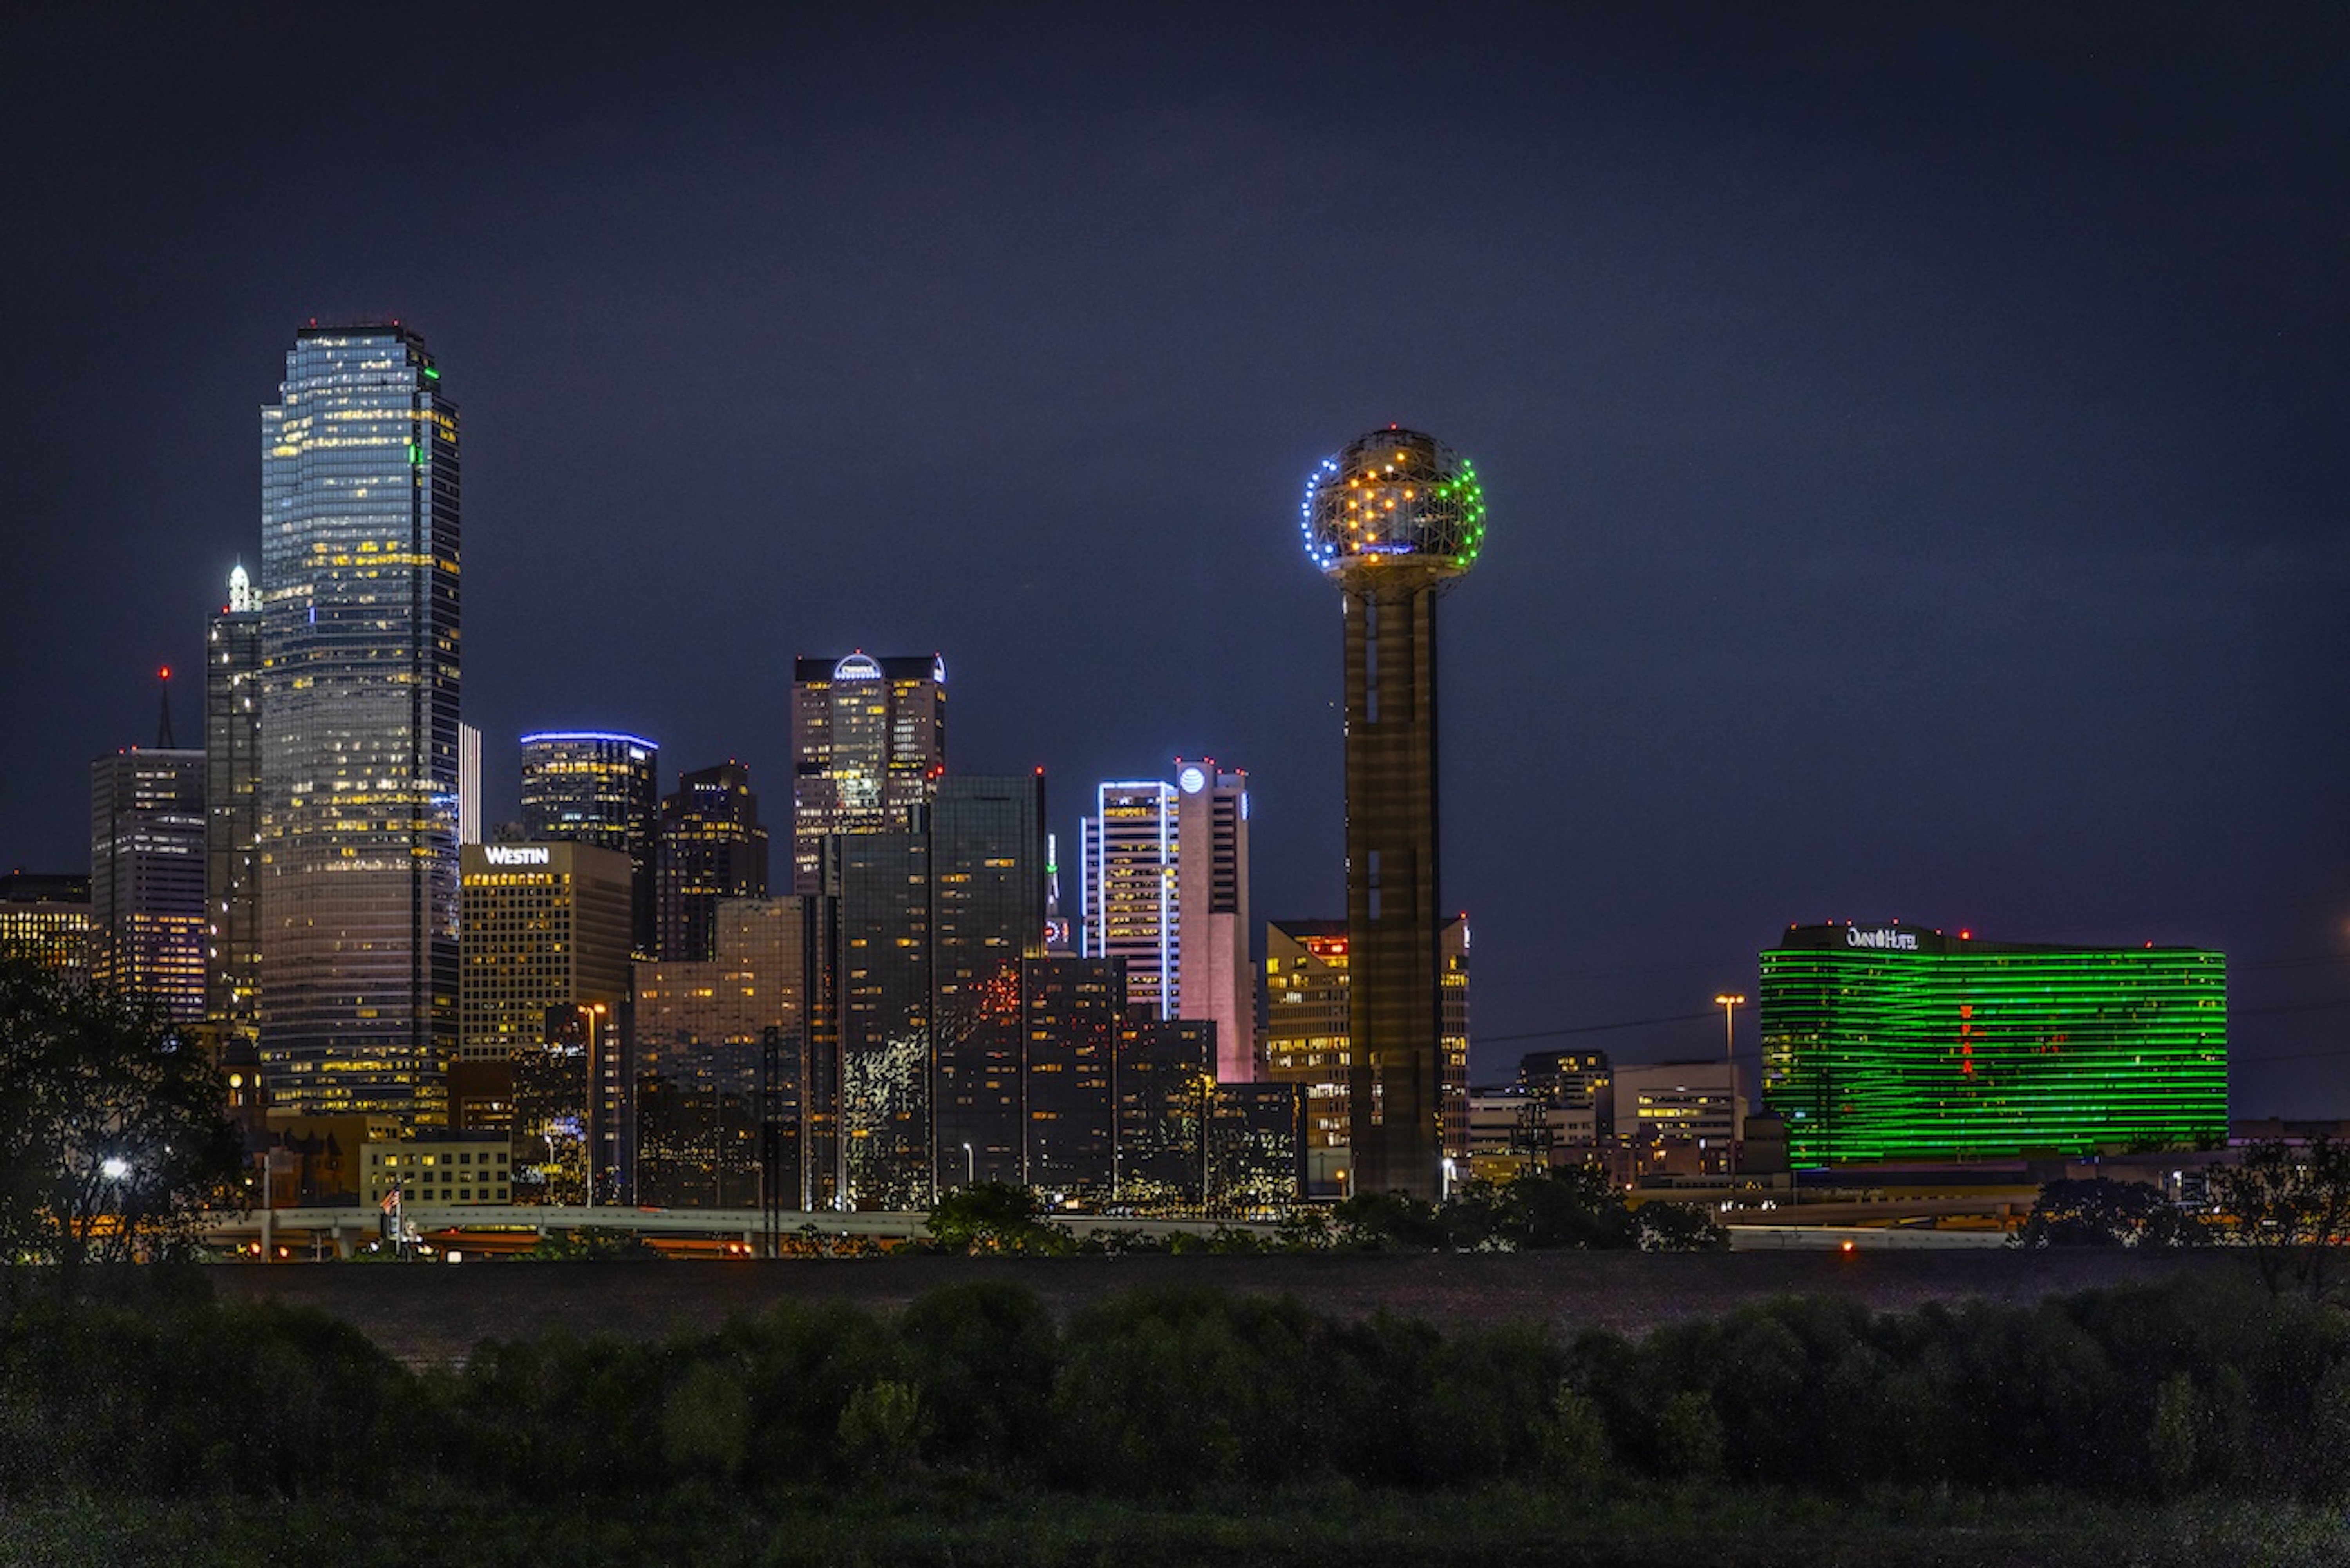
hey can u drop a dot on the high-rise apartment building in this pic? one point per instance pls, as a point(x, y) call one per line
point(233, 810)
point(358, 698)
point(868, 739)
point(711, 847)
point(1394, 518)
point(147, 875)
point(594, 787)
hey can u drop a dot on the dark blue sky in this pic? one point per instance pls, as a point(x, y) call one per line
point(1915, 435)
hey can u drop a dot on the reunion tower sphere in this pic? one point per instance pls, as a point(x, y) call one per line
point(1397, 502)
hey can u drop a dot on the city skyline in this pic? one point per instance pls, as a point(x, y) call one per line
point(1918, 435)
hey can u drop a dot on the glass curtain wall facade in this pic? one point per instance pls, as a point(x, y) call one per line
point(147, 875)
point(1899, 1044)
point(868, 739)
point(934, 921)
point(712, 847)
point(233, 810)
point(359, 694)
point(704, 1081)
point(591, 787)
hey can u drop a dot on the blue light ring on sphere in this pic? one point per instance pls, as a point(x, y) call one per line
point(1393, 495)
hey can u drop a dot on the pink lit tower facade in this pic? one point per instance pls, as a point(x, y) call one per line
point(1394, 518)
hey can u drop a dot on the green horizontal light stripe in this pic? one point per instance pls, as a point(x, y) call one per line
point(1892, 1055)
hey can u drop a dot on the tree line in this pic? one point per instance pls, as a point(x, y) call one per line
point(2145, 1392)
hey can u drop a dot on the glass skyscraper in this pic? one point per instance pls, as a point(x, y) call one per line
point(233, 809)
point(868, 739)
point(359, 687)
point(712, 847)
point(147, 875)
point(594, 787)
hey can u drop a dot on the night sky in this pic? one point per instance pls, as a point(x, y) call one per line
point(1914, 436)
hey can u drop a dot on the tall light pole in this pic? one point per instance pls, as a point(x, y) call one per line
point(1729, 1004)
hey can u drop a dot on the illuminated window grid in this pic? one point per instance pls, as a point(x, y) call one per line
point(1937, 1056)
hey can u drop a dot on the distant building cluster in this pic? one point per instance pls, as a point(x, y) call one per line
point(618, 997)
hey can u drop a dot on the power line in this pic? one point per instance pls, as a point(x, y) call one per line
point(1591, 1028)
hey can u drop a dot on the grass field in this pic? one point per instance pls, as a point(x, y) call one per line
point(1639, 1527)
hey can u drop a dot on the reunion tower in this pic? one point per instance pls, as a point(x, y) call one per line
point(1393, 519)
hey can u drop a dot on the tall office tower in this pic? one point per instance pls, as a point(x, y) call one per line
point(1166, 890)
point(1305, 1010)
point(1309, 1010)
point(469, 784)
point(147, 875)
point(933, 921)
point(868, 739)
point(1394, 518)
point(720, 1052)
point(712, 847)
point(46, 918)
point(358, 740)
point(545, 979)
point(1071, 1011)
point(547, 925)
point(1129, 889)
point(1214, 979)
point(598, 788)
point(233, 810)
point(1164, 1094)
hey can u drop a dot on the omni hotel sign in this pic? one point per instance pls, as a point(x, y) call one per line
point(1882, 938)
point(520, 854)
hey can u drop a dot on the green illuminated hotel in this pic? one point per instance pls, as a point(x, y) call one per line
point(1890, 1042)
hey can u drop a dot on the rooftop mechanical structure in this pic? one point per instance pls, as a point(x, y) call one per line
point(1394, 517)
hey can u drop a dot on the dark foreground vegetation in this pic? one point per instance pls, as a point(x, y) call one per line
point(2117, 1425)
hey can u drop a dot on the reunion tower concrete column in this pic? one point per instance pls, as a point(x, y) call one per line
point(1393, 519)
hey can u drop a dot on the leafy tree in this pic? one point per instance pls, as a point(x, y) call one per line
point(2101, 1212)
point(1574, 1208)
point(591, 1244)
point(1678, 1228)
point(2290, 1205)
point(1387, 1222)
point(114, 1136)
point(995, 1217)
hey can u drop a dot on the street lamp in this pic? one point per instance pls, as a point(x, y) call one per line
point(1729, 1004)
point(970, 1175)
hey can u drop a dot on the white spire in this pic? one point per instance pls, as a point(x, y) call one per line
point(240, 589)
